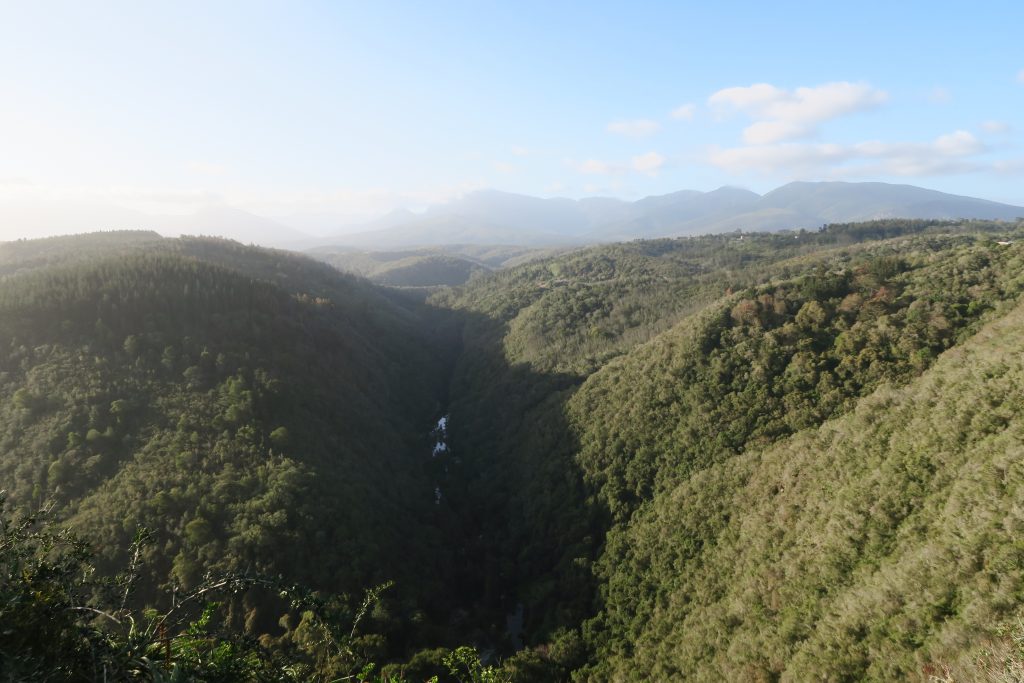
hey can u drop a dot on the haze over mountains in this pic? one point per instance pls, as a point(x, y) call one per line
point(26, 219)
point(495, 217)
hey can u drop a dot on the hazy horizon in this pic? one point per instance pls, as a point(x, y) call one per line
point(36, 219)
point(323, 116)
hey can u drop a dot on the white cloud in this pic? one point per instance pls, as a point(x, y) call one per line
point(520, 151)
point(684, 112)
point(505, 167)
point(997, 127)
point(780, 114)
point(1020, 76)
point(951, 153)
point(649, 163)
point(756, 95)
point(958, 144)
point(637, 128)
point(767, 132)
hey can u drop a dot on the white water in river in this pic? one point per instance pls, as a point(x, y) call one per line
point(440, 435)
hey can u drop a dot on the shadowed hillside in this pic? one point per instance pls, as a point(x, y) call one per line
point(743, 456)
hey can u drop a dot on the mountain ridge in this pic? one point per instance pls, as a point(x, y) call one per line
point(492, 216)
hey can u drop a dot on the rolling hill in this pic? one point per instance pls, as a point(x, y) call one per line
point(254, 410)
point(615, 412)
point(743, 456)
point(450, 265)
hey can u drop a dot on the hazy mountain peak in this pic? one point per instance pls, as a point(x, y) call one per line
point(492, 216)
point(734, 191)
point(839, 201)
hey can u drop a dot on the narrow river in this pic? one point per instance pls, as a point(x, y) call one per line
point(440, 438)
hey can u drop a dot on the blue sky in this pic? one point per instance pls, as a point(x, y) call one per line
point(348, 109)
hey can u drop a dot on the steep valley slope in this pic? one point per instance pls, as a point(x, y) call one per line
point(785, 456)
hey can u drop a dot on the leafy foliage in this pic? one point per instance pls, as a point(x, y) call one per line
point(745, 457)
point(863, 550)
point(63, 620)
point(251, 428)
point(408, 268)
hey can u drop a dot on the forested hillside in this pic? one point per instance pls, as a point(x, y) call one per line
point(878, 547)
point(256, 412)
point(783, 456)
point(450, 265)
point(407, 269)
point(763, 336)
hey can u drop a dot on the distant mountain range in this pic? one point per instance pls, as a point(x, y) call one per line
point(493, 217)
point(490, 217)
point(26, 219)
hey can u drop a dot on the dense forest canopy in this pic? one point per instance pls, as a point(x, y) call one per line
point(747, 456)
point(450, 265)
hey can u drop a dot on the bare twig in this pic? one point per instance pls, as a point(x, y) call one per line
point(96, 611)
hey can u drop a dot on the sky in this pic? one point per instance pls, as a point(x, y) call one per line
point(324, 113)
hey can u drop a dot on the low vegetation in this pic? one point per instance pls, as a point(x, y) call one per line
point(786, 456)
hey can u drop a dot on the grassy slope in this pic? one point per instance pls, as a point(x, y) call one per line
point(727, 557)
point(863, 550)
point(553, 453)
